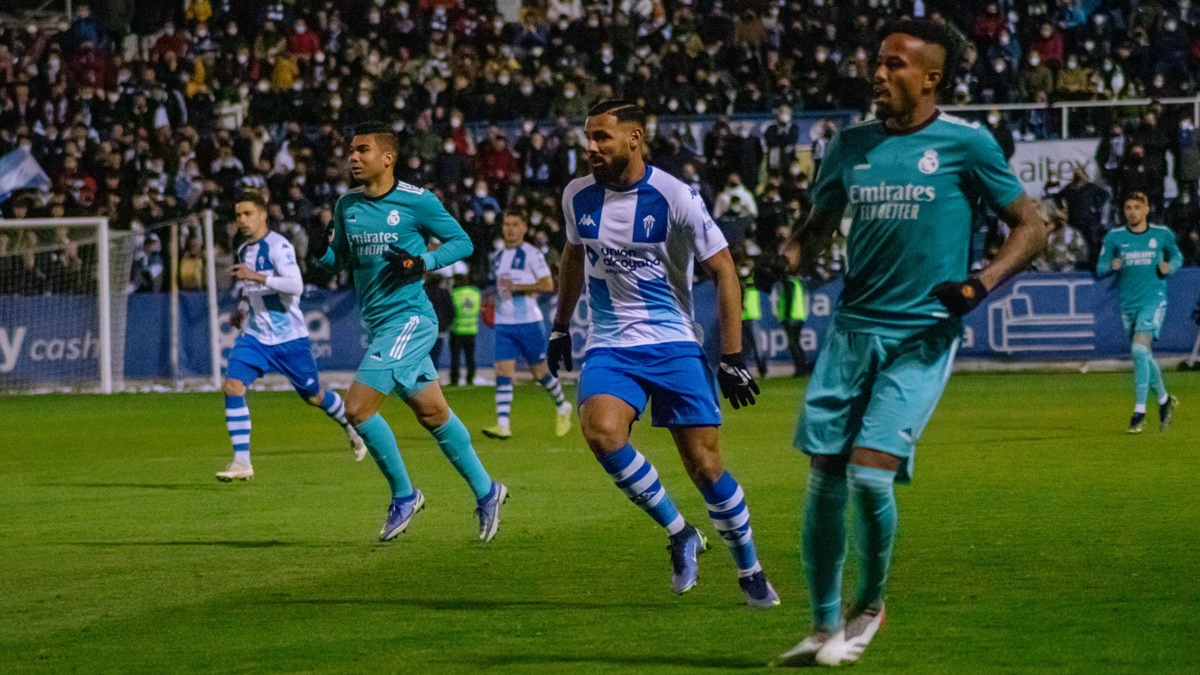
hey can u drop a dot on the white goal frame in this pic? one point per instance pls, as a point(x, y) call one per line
point(103, 285)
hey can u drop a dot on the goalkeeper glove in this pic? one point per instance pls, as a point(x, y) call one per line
point(737, 384)
point(403, 264)
point(960, 297)
point(558, 351)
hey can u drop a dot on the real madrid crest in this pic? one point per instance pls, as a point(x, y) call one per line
point(1153, 243)
point(929, 162)
point(394, 216)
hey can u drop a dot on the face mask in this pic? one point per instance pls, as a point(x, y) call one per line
point(243, 58)
point(263, 86)
point(503, 80)
point(821, 57)
point(785, 119)
point(528, 126)
point(489, 217)
point(55, 63)
point(570, 93)
point(1170, 26)
point(341, 188)
point(398, 126)
point(373, 59)
point(794, 170)
point(537, 51)
point(562, 25)
point(651, 129)
point(643, 51)
point(481, 193)
point(1089, 46)
point(1004, 40)
point(232, 32)
point(400, 103)
point(373, 17)
point(1072, 63)
point(1034, 60)
point(1107, 67)
point(455, 122)
point(993, 119)
point(701, 107)
point(593, 23)
point(1046, 33)
point(296, 86)
point(448, 147)
point(336, 102)
point(169, 31)
point(115, 96)
point(527, 89)
point(364, 100)
point(672, 105)
point(744, 132)
point(301, 29)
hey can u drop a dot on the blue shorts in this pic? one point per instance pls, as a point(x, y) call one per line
point(1145, 320)
point(869, 391)
point(250, 359)
point(674, 377)
point(399, 360)
point(526, 341)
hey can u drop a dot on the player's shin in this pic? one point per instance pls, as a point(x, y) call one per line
point(504, 398)
point(638, 479)
point(824, 544)
point(553, 386)
point(335, 408)
point(873, 491)
point(727, 508)
point(455, 442)
point(381, 442)
point(237, 422)
point(1141, 375)
point(1156, 381)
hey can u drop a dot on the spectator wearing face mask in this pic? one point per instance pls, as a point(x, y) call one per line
point(725, 199)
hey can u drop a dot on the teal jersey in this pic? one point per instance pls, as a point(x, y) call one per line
point(912, 200)
point(1138, 282)
point(365, 227)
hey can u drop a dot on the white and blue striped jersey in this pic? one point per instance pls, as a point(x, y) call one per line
point(640, 246)
point(523, 266)
point(274, 316)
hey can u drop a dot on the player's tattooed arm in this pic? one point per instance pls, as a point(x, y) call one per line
point(810, 240)
point(1024, 243)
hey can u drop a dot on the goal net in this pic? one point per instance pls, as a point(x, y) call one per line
point(63, 284)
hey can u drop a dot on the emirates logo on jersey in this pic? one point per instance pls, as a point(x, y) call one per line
point(648, 224)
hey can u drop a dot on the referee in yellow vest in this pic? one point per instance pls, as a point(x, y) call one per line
point(467, 302)
point(792, 311)
point(751, 313)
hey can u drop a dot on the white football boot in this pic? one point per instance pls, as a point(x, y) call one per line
point(848, 644)
point(236, 471)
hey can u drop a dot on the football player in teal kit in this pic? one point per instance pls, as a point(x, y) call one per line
point(912, 180)
point(1141, 256)
point(379, 234)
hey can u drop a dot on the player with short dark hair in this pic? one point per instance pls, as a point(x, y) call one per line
point(275, 335)
point(521, 274)
point(1140, 256)
point(634, 234)
point(379, 233)
point(912, 180)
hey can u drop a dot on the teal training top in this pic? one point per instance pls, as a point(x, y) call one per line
point(363, 229)
point(1138, 283)
point(912, 198)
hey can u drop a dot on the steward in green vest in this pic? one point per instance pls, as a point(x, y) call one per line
point(792, 310)
point(468, 302)
point(751, 313)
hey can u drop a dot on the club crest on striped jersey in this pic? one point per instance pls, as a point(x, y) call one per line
point(393, 218)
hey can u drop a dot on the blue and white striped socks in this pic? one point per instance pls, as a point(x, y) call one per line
point(727, 508)
point(504, 397)
point(237, 421)
point(553, 387)
point(335, 408)
point(638, 479)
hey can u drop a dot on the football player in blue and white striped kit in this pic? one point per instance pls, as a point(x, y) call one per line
point(521, 273)
point(634, 233)
point(275, 336)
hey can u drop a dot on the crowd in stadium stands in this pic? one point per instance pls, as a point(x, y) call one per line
point(125, 108)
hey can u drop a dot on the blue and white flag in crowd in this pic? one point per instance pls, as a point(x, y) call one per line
point(20, 171)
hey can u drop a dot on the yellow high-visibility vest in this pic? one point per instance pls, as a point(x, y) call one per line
point(467, 303)
point(751, 304)
point(796, 310)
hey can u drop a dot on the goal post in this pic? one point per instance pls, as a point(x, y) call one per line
point(62, 304)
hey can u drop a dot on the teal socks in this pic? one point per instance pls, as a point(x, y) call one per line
point(824, 545)
point(381, 442)
point(875, 529)
point(1142, 362)
point(455, 442)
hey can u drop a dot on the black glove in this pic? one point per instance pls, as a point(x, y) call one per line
point(960, 297)
point(558, 351)
point(737, 384)
point(403, 264)
point(318, 240)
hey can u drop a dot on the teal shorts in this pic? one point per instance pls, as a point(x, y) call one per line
point(870, 391)
point(1145, 319)
point(399, 360)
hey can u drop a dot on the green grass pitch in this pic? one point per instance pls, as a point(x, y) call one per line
point(1038, 537)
